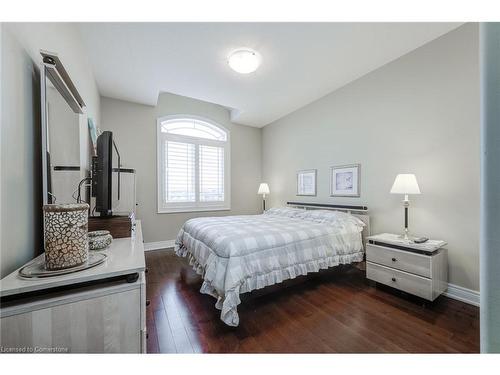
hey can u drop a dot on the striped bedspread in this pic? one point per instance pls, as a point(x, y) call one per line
point(238, 254)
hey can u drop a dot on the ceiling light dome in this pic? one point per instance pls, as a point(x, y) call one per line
point(244, 60)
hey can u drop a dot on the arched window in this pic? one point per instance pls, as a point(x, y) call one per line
point(193, 165)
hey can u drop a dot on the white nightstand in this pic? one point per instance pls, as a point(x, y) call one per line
point(418, 269)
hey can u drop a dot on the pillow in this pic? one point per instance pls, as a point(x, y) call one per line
point(334, 217)
point(284, 211)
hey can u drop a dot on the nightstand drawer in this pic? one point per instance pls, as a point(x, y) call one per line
point(409, 283)
point(401, 260)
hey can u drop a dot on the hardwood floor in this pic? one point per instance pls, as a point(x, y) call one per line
point(334, 311)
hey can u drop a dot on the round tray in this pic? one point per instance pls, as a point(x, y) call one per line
point(36, 269)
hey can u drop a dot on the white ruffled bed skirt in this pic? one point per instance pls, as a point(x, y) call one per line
point(229, 299)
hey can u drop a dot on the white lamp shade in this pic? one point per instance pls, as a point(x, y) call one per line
point(405, 184)
point(263, 188)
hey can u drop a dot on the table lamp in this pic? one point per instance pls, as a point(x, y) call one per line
point(263, 189)
point(405, 184)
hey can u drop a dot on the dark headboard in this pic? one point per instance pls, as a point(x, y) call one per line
point(342, 207)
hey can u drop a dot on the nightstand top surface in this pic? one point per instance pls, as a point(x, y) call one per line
point(394, 239)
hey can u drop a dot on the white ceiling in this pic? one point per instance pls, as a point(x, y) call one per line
point(301, 62)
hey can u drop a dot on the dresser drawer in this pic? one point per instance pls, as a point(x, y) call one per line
point(413, 284)
point(401, 260)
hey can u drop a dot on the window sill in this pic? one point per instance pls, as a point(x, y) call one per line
point(191, 209)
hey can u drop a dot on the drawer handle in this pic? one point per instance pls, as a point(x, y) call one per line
point(393, 279)
point(394, 259)
point(148, 302)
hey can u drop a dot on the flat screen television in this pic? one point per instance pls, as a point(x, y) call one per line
point(106, 174)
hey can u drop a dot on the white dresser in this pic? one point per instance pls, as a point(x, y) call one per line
point(99, 310)
point(418, 269)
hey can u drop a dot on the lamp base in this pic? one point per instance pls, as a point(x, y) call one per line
point(406, 236)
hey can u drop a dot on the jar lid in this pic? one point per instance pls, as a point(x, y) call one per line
point(65, 207)
point(98, 233)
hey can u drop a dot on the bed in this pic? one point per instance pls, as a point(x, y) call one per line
point(238, 254)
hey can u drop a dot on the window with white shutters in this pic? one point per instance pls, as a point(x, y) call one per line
point(179, 171)
point(193, 165)
point(211, 162)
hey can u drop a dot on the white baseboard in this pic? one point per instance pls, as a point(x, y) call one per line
point(463, 294)
point(148, 246)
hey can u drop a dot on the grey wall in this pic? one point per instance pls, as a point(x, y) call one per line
point(418, 114)
point(20, 171)
point(490, 188)
point(20, 200)
point(134, 128)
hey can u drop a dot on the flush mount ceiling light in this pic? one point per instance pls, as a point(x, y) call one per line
point(244, 60)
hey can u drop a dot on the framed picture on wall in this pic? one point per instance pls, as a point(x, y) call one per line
point(345, 180)
point(306, 182)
